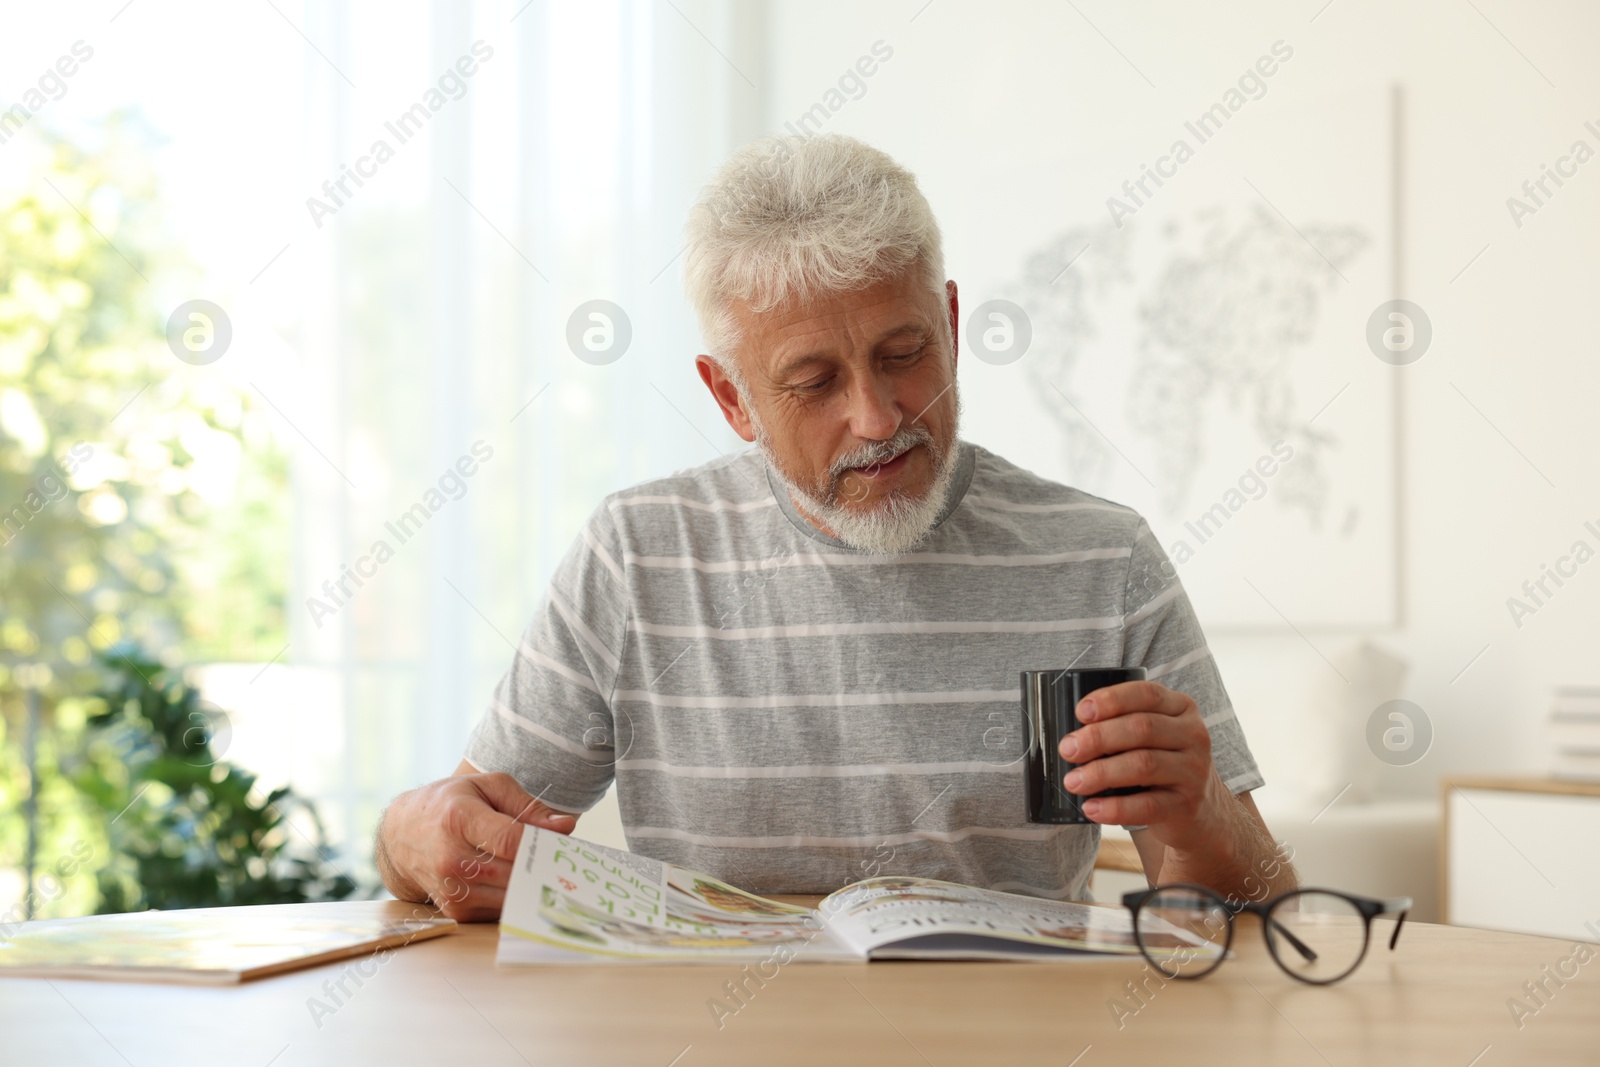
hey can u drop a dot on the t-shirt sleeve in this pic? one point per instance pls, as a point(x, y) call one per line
point(1162, 634)
point(549, 724)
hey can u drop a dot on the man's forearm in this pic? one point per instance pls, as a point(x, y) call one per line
point(1238, 858)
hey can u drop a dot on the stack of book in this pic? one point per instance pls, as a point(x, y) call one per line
point(1574, 733)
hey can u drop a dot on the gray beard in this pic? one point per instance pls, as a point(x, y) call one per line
point(895, 525)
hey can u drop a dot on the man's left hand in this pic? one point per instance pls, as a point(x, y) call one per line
point(1144, 734)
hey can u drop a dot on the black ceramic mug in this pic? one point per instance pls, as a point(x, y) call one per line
point(1049, 713)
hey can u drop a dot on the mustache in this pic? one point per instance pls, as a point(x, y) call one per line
point(876, 452)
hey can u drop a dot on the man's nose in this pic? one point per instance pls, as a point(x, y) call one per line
point(874, 410)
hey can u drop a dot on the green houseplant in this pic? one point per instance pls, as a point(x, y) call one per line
point(185, 827)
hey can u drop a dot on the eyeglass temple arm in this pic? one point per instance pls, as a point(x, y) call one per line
point(1401, 905)
point(1300, 946)
point(1306, 952)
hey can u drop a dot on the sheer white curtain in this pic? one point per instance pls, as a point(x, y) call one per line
point(449, 442)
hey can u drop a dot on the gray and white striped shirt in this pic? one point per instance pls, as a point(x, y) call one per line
point(792, 715)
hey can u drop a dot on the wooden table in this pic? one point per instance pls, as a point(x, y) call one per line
point(1440, 998)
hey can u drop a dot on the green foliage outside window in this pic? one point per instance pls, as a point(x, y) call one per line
point(142, 502)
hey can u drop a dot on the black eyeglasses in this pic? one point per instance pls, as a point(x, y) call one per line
point(1327, 932)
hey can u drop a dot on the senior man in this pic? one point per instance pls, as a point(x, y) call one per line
point(799, 663)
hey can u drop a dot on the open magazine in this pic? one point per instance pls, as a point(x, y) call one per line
point(571, 901)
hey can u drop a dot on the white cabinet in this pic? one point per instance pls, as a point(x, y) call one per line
point(1523, 855)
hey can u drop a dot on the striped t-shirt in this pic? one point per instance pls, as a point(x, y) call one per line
point(792, 715)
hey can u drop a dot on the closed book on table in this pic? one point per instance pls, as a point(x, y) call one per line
point(203, 945)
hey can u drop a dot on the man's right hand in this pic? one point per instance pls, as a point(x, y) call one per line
point(451, 842)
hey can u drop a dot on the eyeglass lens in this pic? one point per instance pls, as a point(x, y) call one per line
point(1167, 916)
point(1318, 937)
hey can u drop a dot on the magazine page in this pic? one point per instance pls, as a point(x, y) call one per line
point(571, 901)
point(905, 917)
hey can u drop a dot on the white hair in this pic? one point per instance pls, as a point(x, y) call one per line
point(795, 216)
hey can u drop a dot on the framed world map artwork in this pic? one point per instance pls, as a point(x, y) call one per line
point(1196, 346)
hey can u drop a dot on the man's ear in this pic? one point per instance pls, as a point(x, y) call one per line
point(726, 396)
point(955, 323)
